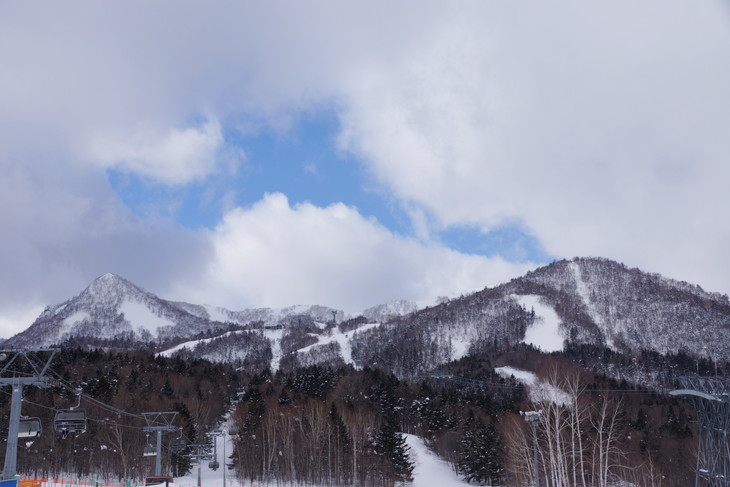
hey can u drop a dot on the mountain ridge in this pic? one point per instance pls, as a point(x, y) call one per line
point(592, 301)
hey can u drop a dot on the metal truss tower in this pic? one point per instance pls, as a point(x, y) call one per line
point(158, 422)
point(710, 397)
point(20, 368)
point(199, 453)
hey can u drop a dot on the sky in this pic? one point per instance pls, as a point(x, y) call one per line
point(249, 154)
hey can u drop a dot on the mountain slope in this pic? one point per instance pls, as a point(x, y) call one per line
point(112, 311)
point(112, 308)
point(584, 300)
point(604, 302)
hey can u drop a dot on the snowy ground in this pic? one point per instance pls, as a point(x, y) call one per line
point(430, 470)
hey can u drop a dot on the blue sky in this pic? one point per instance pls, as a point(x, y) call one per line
point(301, 162)
point(352, 154)
point(304, 163)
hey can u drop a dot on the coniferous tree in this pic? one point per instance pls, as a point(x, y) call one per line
point(391, 447)
point(480, 460)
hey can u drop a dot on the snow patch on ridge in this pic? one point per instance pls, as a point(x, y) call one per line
point(68, 324)
point(586, 298)
point(216, 313)
point(545, 332)
point(342, 339)
point(140, 317)
point(190, 345)
point(524, 376)
point(77, 317)
point(538, 390)
point(459, 348)
point(274, 336)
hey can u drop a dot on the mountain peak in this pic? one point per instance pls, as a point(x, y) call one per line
point(109, 276)
point(109, 282)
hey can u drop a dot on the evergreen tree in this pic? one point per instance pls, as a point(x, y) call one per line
point(480, 460)
point(390, 446)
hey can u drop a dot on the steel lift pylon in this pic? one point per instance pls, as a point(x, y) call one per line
point(710, 397)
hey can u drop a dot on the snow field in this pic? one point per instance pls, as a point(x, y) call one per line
point(545, 333)
point(275, 336)
point(342, 339)
point(191, 344)
point(141, 317)
point(539, 391)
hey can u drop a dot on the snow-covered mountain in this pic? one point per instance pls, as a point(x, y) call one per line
point(584, 300)
point(603, 302)
point(114, 310)
point(388, 311)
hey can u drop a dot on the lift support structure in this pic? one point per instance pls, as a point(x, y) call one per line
point(159, 422)
point(20, 368)
point(710, 397)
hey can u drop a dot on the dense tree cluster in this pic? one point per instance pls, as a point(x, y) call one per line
point(343, 427)
point(247, 350)
point(131, 383)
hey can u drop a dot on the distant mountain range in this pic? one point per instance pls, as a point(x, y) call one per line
point(585, 300)
point(112, 308)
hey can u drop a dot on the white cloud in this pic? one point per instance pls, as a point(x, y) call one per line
point(62, 226)
point(175, 157)
point(14, 320)
point(602, 128)
point(272, 254)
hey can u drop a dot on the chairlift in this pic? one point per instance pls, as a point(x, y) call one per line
point(177, 445)
point(29, 428)
point(70, 421)
point(214, 465)
point(149, 451)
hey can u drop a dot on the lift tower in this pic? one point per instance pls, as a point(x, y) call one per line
point(158, 422)
point(710, 397)
point(20, 368)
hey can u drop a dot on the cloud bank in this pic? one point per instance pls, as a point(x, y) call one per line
point(600, 129)
point(273, 253)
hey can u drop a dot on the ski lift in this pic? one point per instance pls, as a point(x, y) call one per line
point(29, 428)
point(149, 450)
point(214, 465)
point(71, 420)
point(177, 445)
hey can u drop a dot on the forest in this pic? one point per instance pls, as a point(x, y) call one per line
point(336, 425)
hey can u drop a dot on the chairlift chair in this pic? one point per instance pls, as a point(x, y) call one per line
point(29, 428)
point(70, 421)
point(177, 445)
point(214, 465)
point(149, 451)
